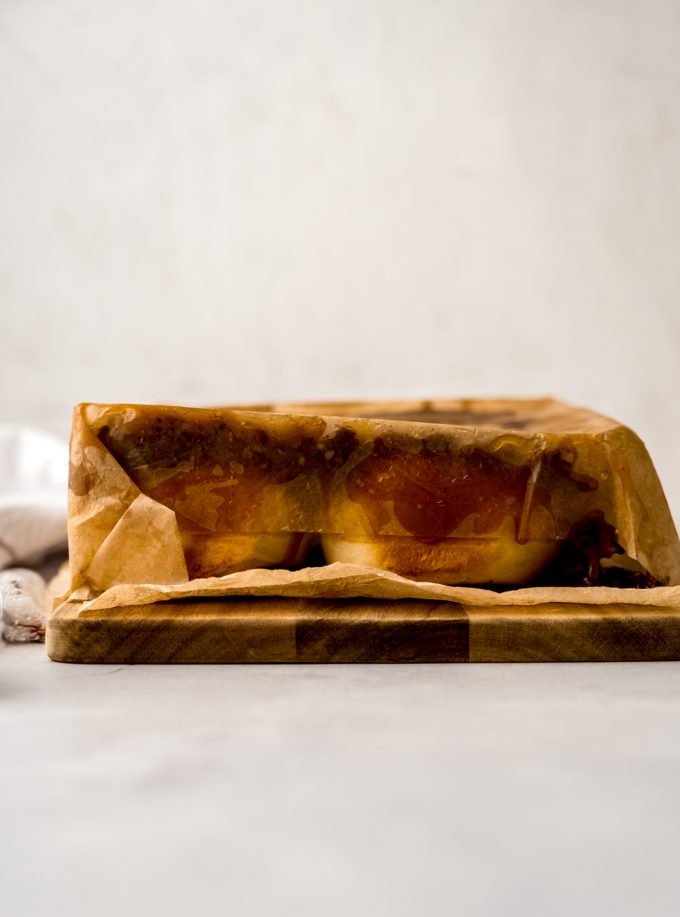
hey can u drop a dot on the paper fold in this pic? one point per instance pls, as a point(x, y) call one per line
point(343, 581)
point(116, 533)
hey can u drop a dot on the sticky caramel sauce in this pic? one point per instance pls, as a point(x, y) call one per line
point(212, 470)
point(432, 492)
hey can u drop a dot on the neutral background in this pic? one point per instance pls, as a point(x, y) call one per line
point(211, 202)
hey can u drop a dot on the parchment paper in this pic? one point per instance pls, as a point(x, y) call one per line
point(126, 548)
point(340, 581)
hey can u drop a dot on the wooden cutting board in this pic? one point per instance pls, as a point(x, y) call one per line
point(241, 630)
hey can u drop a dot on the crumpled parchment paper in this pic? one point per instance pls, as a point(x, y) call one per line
point(127, 548)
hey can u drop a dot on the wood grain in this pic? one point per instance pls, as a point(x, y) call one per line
point(574, 633)
point(243, 630)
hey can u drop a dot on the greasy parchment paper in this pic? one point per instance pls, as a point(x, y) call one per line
point(126, 548)
point(340, 581)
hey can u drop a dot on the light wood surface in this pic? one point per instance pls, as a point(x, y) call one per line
point(360, 630)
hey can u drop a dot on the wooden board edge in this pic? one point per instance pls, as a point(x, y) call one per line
point(361, 630)
point(262, 631)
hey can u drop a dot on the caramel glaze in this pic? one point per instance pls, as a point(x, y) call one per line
point(432, 491)
point(214, 451)
point(579, 561)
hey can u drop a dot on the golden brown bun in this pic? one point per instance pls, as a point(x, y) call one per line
point(218, 554)
point(478, 561)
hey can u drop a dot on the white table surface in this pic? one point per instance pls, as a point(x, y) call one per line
point(431, 789)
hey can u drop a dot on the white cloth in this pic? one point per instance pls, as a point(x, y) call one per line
point(23, 605)
point(33, 489)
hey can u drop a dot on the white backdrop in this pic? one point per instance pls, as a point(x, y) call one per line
point(233, 201)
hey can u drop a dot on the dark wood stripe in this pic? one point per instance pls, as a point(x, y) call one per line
point(369, 631)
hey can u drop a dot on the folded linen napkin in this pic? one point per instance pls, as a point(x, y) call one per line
point(33, 491)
